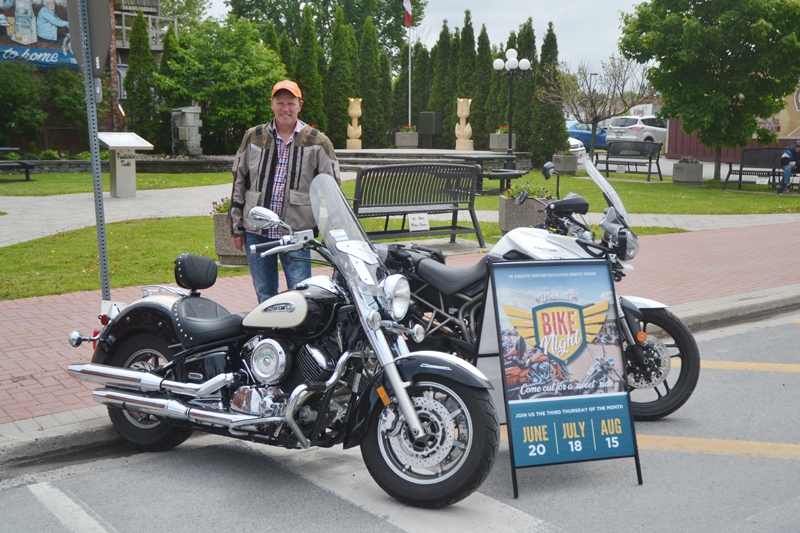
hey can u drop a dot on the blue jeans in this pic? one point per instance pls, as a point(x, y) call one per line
point(787, 176)
point(264, 270)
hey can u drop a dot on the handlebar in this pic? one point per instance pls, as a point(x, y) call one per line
point(263, 247)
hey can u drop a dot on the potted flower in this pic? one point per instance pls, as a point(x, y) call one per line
point(565, 162)
point(528, 213)
point(223, 244)
point(498, 141)
point(407, 137)
point(688, 171)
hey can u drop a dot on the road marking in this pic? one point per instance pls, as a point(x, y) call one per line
point(67, 511)
point(343, 473)
point(734, 365)
point(743, 448)
point(773, 519)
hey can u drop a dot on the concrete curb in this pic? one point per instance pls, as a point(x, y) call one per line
point(19, 447)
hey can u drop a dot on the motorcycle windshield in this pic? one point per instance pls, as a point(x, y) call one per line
point(611, 196)
point(341, 233)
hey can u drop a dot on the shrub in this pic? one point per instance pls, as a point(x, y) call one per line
point(83, 156)
point(223, 206)
point(688, 160)
point(534, 191)
point(49, 155)
point(30, 156)
point(12, 157)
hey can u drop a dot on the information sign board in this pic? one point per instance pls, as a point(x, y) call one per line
point(562, 364)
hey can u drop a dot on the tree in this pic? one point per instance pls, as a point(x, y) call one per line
point(420, 81)
point(548, 131)
point(188, 12)
point(141, 102)
point(226, 70)
point(285, 46)
point(386, 92)
point(271, 37)
point(369, 85)
point(719, 65)
point(441, 84)
point(307, 74)
point(20, 97)
point(339, 82)
point(484, 77)
point(593, 95)
point(169, 99)
point(465, 80)
point(525, 88)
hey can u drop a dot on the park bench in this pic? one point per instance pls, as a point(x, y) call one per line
point(631, 154)
point(404, 190)
point(759, 163)
point(15, 164)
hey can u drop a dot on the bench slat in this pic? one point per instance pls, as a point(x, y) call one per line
point(632, 153)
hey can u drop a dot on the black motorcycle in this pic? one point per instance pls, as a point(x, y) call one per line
point(320, 365)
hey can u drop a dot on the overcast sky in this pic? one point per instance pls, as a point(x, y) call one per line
point(586, 29)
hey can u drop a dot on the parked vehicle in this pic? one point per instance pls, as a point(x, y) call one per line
point(576, 147)
point(323, 364)
point(633, 128)
point(583, 132)
point(662, 372)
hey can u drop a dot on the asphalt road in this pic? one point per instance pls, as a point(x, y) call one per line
point(727, 461)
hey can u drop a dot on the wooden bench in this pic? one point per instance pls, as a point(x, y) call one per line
point(760, 163)
point(631, 153)
point(18, 164)
point(403, 190)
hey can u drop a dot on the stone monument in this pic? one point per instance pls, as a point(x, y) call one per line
point(463, 130)
point(354, 130)
point(186, 126)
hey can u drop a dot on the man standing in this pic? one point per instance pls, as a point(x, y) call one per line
point(274, 168)
point(789, 161)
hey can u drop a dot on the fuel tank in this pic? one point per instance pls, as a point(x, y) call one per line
point(307, 310)
point(539, 244)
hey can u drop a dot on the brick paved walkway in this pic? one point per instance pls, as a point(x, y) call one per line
point(674, 269)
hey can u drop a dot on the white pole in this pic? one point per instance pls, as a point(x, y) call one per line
point(409, 75)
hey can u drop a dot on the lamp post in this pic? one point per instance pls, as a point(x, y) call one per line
point(511, 64)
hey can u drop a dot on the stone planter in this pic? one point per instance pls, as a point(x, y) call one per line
point(498, 142)
point(530, 213)
point(406, 139)
point(566, 164)
point(687, 174)
point(223, 244)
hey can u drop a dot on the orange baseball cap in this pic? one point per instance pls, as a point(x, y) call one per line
point(289, 85)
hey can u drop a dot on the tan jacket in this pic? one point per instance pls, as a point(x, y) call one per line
point(310, 153)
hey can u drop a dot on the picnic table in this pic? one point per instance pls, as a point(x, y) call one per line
point(504, 175)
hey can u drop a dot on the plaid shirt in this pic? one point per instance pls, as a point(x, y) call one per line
point(279, 179)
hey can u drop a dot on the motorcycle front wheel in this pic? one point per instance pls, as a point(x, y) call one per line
point(652, 402)
point(145, 432)
point(450, 461)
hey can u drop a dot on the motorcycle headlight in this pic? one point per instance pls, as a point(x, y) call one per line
point(397, 293)
point(627, 244)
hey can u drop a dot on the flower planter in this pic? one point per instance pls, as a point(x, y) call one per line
point(406, 139)
point(529, 213)
point(688, 174)
point(223, 244)
point(566, 164)
point(498, 142)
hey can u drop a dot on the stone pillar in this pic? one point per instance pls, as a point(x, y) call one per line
point(186, 126)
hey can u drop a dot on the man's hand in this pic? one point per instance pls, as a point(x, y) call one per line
point(238, 243)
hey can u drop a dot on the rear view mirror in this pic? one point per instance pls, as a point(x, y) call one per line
point(547, 170)
point(262, 218)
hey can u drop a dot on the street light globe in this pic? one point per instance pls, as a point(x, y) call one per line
point(498, 64)
point(511, 53)
point(524, 64)
point(512, 63)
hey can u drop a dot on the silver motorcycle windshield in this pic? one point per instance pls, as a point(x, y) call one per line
point(610, 194)
point(343, 236)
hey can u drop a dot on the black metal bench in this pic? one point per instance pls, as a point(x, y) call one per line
point(760, 163)
point(20, 165)
point(403, 190)
point(631, 153)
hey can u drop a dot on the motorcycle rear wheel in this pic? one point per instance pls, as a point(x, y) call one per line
point(145, 432)
point(657, 402)
point(461, 446)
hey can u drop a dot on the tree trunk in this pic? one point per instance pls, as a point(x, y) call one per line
point(717, 162)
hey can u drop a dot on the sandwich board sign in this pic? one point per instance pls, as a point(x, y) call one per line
point(562, 366)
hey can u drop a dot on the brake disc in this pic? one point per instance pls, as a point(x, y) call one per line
point(435, 446)
point(655, 370)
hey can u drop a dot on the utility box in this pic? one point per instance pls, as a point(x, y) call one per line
point(430, 124)
point(122, 161)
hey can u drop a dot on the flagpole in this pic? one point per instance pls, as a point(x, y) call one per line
point(409, 75)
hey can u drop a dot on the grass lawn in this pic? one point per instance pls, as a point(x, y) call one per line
point(52, 184)
point(140, 252)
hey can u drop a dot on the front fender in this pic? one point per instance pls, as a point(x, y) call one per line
point(644, 303)
point(413, 367)
point(148, 315)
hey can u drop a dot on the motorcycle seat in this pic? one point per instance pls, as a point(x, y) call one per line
point(450, 280)
point(202, 321)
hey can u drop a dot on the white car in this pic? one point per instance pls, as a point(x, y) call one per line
point(634, 128)
point(576, 147)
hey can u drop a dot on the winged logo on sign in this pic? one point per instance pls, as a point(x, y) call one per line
point(559, 329)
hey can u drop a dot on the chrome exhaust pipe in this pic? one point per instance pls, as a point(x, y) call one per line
point(112, 376)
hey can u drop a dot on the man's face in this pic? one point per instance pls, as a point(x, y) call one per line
point(286, 106)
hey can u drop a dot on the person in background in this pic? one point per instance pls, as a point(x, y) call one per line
point(274, 168)
point(47, 22)
point(789, 161)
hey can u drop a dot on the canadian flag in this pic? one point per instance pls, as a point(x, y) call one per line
point(407, 5)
